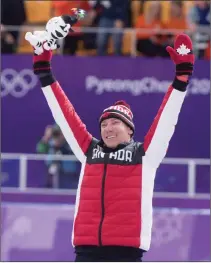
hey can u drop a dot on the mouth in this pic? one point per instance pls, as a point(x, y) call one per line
point(110, 137)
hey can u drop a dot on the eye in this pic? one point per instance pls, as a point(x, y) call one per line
point(116, 122)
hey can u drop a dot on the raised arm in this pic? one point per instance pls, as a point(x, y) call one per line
point(64, 114)
point(158, 137)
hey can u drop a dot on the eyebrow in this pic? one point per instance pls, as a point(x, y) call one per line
point(112, 119)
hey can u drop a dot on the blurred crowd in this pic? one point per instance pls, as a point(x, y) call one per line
point(151, 17)
point(59, 174)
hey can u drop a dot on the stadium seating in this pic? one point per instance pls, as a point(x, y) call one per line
point(37, 13)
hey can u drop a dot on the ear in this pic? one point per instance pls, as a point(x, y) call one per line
point(130, 132)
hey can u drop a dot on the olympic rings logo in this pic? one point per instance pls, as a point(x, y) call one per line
point(17, 84)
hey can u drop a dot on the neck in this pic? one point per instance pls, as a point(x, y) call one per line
point(120, 146)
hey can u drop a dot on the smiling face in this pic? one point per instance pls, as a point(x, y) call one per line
point(115, 132)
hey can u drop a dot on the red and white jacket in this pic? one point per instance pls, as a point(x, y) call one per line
point(114, 196)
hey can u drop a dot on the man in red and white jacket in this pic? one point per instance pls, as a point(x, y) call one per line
point(113, 210)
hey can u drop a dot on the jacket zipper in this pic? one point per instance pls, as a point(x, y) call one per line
point(102, 205)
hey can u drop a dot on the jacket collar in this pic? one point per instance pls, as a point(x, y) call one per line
point(119, 147)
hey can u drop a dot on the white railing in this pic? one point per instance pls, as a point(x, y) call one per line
point(191, 164)
point(132, 31)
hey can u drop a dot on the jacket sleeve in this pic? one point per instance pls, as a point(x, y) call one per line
point(159, 135)
point(72, 127)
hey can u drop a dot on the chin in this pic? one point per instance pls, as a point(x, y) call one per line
point(111, 145)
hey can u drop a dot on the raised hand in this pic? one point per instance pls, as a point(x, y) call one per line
point(182, 55)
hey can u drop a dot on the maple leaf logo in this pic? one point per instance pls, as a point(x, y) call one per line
point(183, 50)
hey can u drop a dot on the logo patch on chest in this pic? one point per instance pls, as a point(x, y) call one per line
point(120, 155)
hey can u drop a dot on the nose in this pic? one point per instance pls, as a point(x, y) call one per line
point(109, 127)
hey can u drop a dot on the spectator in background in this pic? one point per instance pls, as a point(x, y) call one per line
point(62, 174)
point(92, 19)
point(7, 41)
point(199, 15)
point(64, 7)
point(113, 15)
point(12, 14)
point(177, 20)
point(151, 43)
